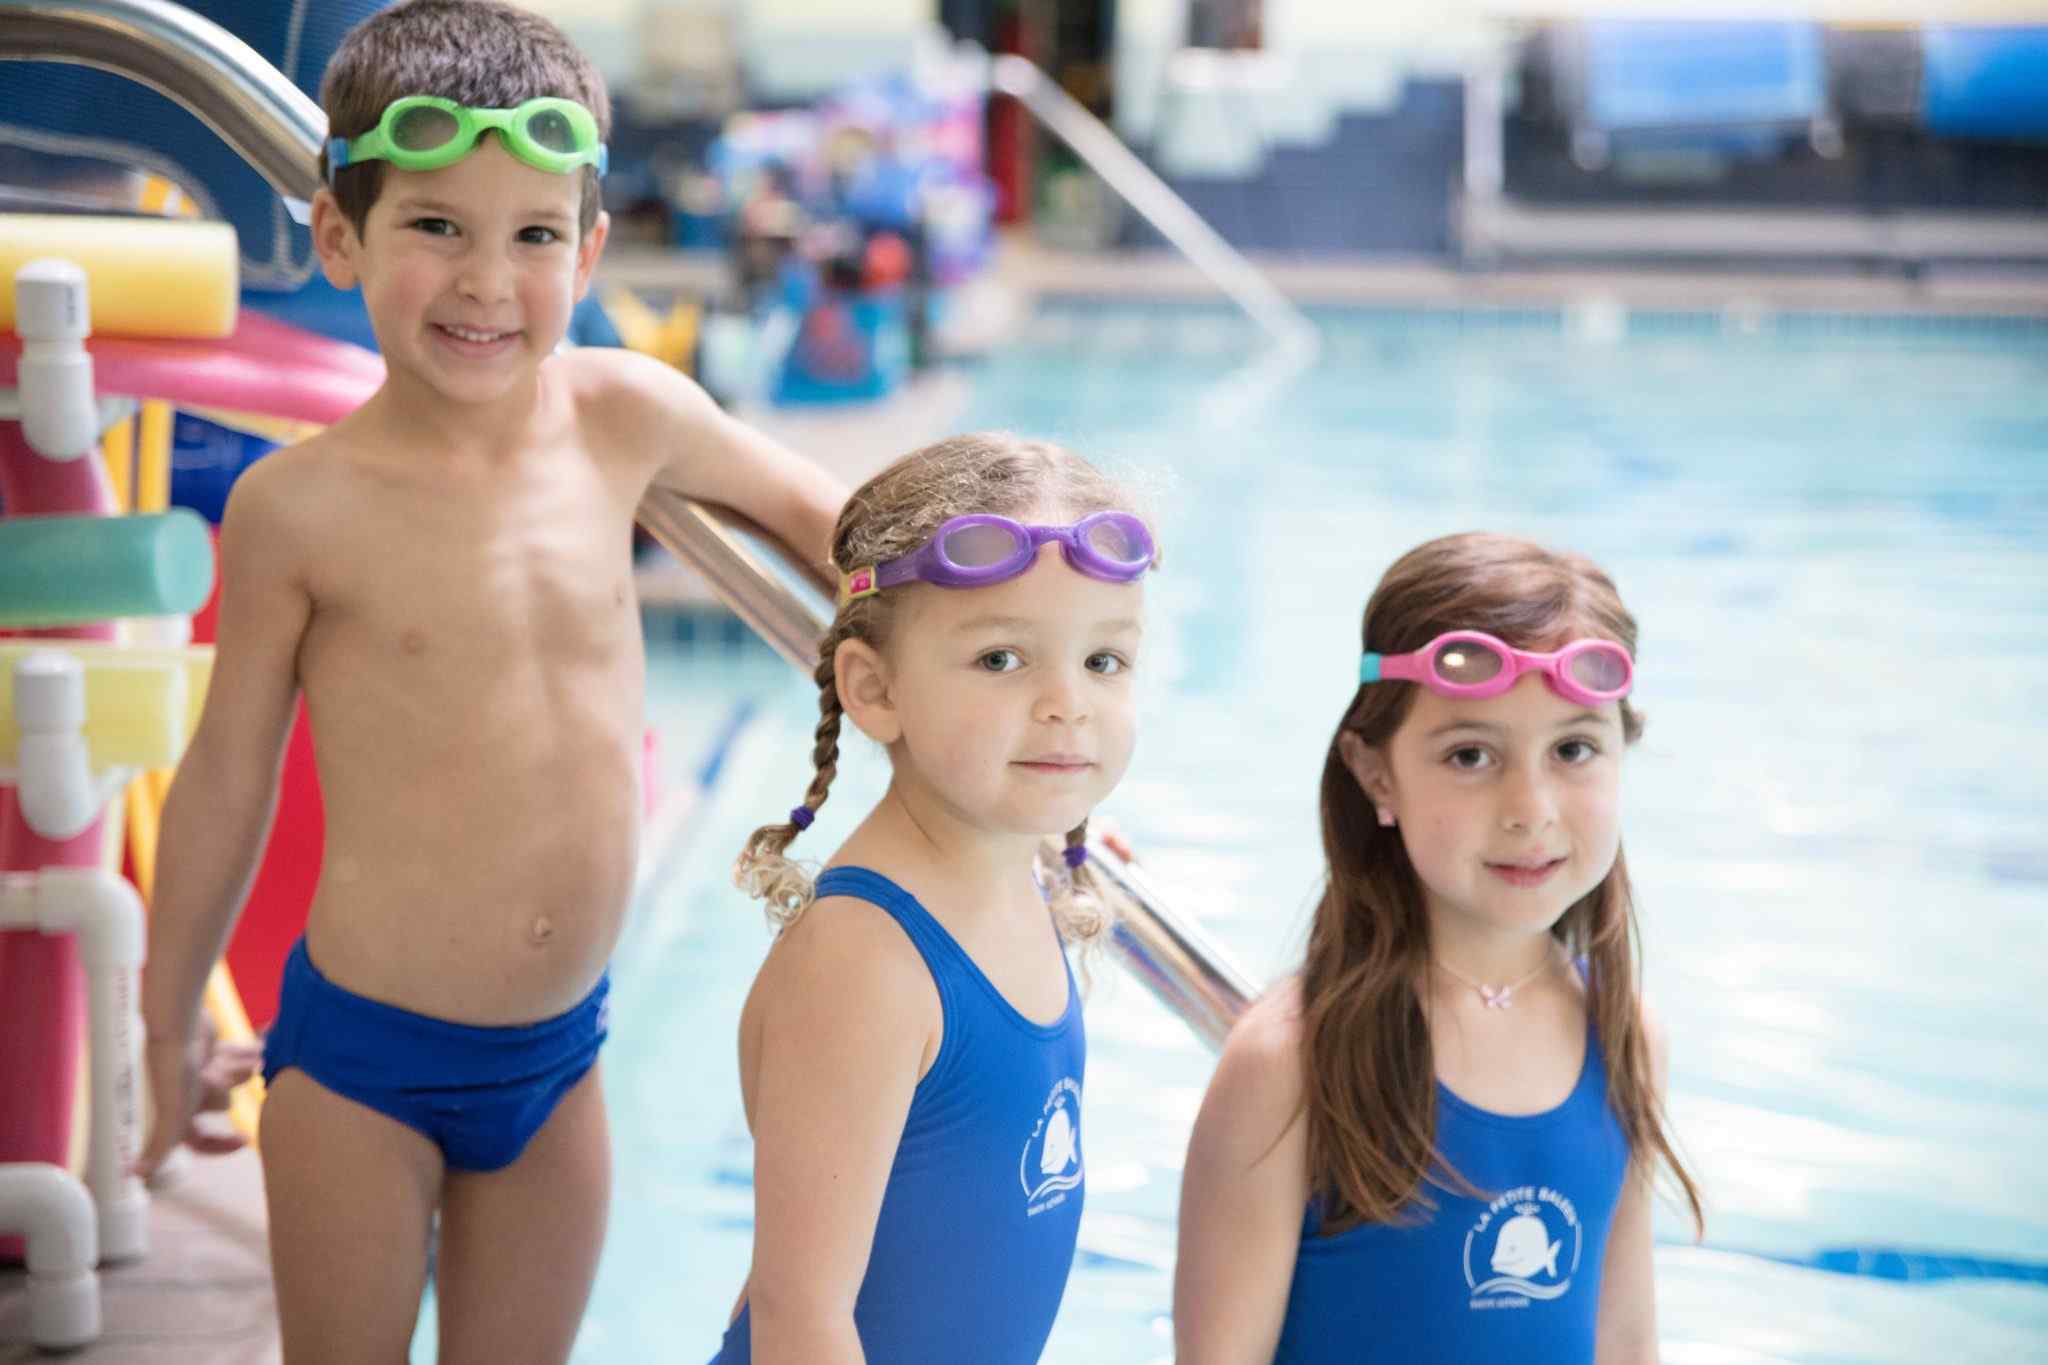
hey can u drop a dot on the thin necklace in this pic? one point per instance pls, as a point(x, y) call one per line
point(1497, 997)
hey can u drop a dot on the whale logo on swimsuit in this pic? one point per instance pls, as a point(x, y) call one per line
point(1059, 1143)
point(1050, 1163)
point(1525, 1247)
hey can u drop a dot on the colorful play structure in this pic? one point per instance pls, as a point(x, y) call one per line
point(105, 591)
point(134, 384)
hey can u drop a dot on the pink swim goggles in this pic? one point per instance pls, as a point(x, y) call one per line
point(979, 549)
point(1470, 664)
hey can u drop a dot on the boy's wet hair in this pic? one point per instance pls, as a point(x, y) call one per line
point(891, 515)
point(478, 53)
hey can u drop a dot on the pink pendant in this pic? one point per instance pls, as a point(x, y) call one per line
point(1497, 999)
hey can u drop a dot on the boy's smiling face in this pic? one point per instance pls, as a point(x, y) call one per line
point(469, 272)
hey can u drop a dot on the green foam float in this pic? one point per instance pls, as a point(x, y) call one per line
point(70, 571)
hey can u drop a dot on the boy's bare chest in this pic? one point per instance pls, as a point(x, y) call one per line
point(506, 580)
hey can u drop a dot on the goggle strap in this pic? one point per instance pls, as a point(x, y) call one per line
point(862, 582)
point(897, 572)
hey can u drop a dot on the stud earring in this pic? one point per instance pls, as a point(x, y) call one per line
point(1386, 817)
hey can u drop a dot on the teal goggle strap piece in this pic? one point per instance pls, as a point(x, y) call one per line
point(426, 132)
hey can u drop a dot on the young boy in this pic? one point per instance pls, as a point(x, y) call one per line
point(447, 575)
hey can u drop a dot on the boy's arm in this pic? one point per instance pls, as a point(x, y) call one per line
point(218, 812)
point(843, 1030)
point(702, 452)
point(1244, 1188)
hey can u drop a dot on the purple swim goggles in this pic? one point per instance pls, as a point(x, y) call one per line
point(977, 550)
point(1468, 663)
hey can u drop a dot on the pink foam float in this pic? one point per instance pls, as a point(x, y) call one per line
point(267, 367)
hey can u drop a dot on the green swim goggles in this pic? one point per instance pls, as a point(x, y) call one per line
point(426, 132)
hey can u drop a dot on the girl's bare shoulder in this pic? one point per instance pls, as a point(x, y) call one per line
point(1259, 1076)
point(846, 955)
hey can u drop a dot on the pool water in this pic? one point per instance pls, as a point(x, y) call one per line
point(1834, 532)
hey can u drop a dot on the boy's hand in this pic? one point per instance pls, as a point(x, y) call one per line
point(187, 1079)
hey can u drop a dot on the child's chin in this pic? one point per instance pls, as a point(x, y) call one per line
point(476, 386)
point(1055, 824)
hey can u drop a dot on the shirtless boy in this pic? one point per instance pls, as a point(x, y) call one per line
point(446, 574)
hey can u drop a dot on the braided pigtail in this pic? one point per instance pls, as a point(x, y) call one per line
point(1077, 896)
point(761, 869)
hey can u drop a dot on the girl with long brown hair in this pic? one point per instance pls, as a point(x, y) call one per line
point(1437, 1141)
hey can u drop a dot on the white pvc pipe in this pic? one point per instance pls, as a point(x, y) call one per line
point(105, 913)
point(53, 1213)
point(59, 418)
point(58, 793)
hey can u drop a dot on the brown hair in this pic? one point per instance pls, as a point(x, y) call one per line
point(891, 515)
point(478, 53)
point(1370, 1092)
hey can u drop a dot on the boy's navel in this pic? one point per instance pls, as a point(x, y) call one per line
point(540, 931)
point(413, 641)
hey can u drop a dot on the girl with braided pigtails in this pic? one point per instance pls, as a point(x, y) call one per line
point(911, 1054)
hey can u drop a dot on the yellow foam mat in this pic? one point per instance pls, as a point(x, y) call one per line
point(144, 276)
point(141, 705)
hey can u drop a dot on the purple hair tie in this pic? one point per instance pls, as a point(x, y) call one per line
point(802, 816)
point(1075, 854)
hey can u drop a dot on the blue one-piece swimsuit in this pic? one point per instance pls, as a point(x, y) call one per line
point(1513, 1277)
point(479, 1094)
point(976, 1231)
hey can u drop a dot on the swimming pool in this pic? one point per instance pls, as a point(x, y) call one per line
point(1835, 533)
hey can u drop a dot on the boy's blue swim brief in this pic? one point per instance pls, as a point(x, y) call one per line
point(479, 1094)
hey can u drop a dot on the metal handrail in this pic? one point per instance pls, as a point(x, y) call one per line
point(223, 81)
point(1155, 200)
point(229, 86)
point(745, 569)
point(1182, 966)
